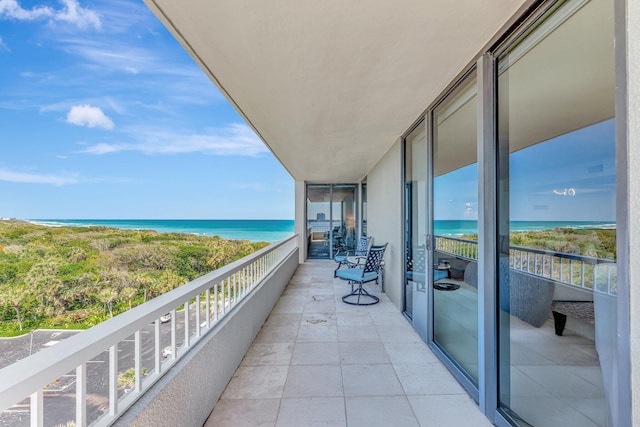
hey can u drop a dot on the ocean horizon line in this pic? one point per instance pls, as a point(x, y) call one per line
point(273, 230)
point(257, 230)
point(154, 219)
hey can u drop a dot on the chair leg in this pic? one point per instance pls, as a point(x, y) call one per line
point(360, 292)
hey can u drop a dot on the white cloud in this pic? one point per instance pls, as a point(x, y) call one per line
point(30, 178)
point(71, 12)
point(87, 115)
point(11, 9)
point(75, 14)
point(234, 140)
point(3, 45)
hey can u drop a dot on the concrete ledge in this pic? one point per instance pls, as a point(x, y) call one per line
point(187, 393)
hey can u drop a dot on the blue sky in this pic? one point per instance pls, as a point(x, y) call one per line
point(567, 178)
point(104, 115)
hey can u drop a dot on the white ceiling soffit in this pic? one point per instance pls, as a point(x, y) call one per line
point(330, 85)
point(540, 87)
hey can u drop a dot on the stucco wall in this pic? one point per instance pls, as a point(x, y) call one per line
point(186, 395)
point(300, 218)
point(384, 217)
point(633, 182)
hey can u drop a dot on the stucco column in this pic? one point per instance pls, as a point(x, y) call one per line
point(632, 41)
point(300, 220)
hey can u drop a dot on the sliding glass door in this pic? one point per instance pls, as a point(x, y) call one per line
point(455, 227)
point(556, 220)
point(331, 219)
point(415, 223)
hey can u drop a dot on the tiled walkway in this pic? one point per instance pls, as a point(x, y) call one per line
point(320, 362)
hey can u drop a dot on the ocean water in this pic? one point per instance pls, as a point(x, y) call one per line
point(257, 230)
point(459, 227)
point(266, 230)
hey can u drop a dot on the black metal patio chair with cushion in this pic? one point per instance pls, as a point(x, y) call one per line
point(364, 243)
point(361, 274)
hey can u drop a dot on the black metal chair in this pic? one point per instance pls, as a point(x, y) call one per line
point(364, 243)
point(362, 274)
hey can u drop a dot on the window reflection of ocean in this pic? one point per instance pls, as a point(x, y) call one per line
point(465, 227)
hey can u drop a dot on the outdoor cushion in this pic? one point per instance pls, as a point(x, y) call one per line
point(355, 274)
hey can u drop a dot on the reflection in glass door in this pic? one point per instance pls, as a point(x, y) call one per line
point(556, 220)
point(415, 294)
point(455, 227)
point(331, 219)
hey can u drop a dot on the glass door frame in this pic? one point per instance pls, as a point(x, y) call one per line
point(421, 325)
point(356, 209)
point(485, 64)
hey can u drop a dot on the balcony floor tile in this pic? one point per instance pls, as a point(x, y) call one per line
point(316, 353)
point(268, 354)
point(314, 381)
point(312, 411)
point(257, 382)
point(246, 412)
point(380, 411)
point(319, 361)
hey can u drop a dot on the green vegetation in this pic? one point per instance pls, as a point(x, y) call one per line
point(592, 242)
point(77, 277)
point(127, 379)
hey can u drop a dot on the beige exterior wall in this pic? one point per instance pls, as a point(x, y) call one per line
point(300, 227)
point(384, 217)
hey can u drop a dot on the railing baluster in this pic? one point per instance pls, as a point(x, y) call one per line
point(235, 289)
point(81, 395)
point(113, 379)
point(198, 315)
point(137, 360)
point(173, 334)
point(215, 299)
point(157, 347)
point(224, 297)
point(186, 324)
point(37, 409)
point(208, 307)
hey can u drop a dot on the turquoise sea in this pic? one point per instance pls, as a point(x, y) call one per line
point(459, 227)
point(266, 230)
point(257, 230)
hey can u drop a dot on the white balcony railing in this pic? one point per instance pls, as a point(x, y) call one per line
point(195, 308)
point(589, 273)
